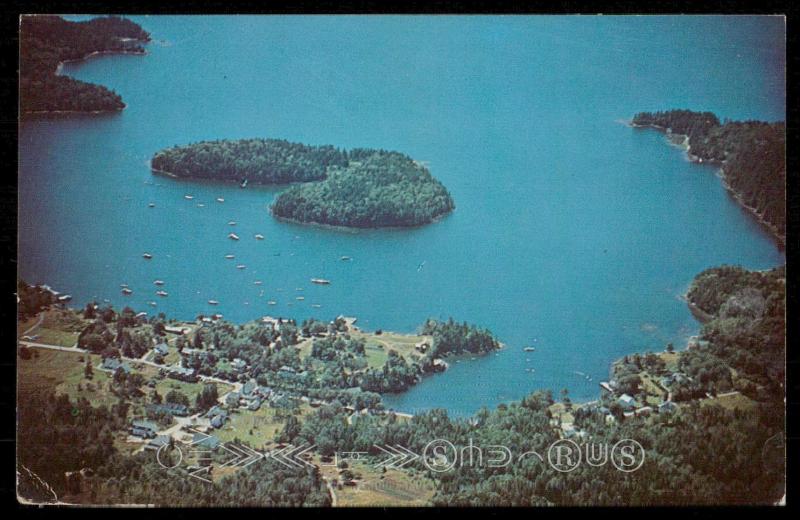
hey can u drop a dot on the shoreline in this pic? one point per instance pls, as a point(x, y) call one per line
point(356, 229)
point(58, 72)
point(769, 227)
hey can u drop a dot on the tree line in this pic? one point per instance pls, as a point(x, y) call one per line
point(752, 155)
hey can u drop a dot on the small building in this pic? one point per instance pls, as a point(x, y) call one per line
point(180, 331)
point(182, 374)
point(143, 429)
point(249, 388)
point(112, 364)
point(232, 399)
point(158, 442)
point(162, 349)
point(626, 402)
point(254, 404)
point(239, 365)
point(176, 409)
point(606, 387)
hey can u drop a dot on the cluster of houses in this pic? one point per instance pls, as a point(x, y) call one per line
point(251, 396)
point(188, 375)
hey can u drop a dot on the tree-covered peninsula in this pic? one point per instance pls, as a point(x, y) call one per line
point(751, 154)
point(360, 188)
point(47, 41)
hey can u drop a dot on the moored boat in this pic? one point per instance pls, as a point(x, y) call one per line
point(320, 281)
point(213, 302)
point(233, 236)
point(147, 256)
point(162, 293)
point(259, 236)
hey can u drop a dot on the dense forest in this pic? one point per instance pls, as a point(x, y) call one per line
point(450, 337)
point(46, 41)
point(746, 335)
point(260, 161)
point(362, 188)
point(377, 189)
point(752, 155)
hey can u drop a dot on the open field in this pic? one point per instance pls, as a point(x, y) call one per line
point(375, 488)
point(255, 428)
point(731, 402)
point(63, 372)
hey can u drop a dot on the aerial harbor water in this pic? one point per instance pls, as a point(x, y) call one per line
point(573, 233)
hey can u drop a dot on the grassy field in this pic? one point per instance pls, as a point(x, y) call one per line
point(190, 390)
point(63, 372)
point(731, 402)
point(377, 346)
point(255, 428)
point(374, 488)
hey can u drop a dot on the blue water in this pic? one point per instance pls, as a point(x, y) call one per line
point(570, 228)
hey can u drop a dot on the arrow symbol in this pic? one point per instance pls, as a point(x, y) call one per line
point(410, 455)
point(399, 456)
point(202, 469)
point(250, 456)
point(394, 455)
point(280, 456)
point(297, 455)
point(238, 455)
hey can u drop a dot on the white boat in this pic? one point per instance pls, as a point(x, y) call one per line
point(244, 184)
point(162, 293)
point(213, 302)
point(151, 205)
point(259, 236)
point(123, 285)
point(529, 349)
point(231, 222)
point(188, 197)
point(147, 256)
point(241, 266)
point(316, 305)
point(220, 199)
point(345, 259)
point(158, 282)
point(300, 298)
point(201, 205)
point(257, 282)
point(126, 291)
point(152, 304)
point(272, 302)
point(320, 281)
point(233, 236)
point(230, 257)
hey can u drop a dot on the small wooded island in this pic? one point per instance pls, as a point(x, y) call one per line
point(360, 188)
point(47, 41)
point(750, 153)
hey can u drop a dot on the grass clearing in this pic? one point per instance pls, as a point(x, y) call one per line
point(375, 488)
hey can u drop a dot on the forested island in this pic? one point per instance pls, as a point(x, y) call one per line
point(376, 189)
point(47, 41)
point(360, 188)
point(750, 153)
point(707, 443)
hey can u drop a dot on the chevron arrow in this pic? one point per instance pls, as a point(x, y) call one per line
point(297, 455)
point(281, 456)
point(408, 454)
point(250, 456)
point(238, 455)
point(394, 456)
point(196, 473)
